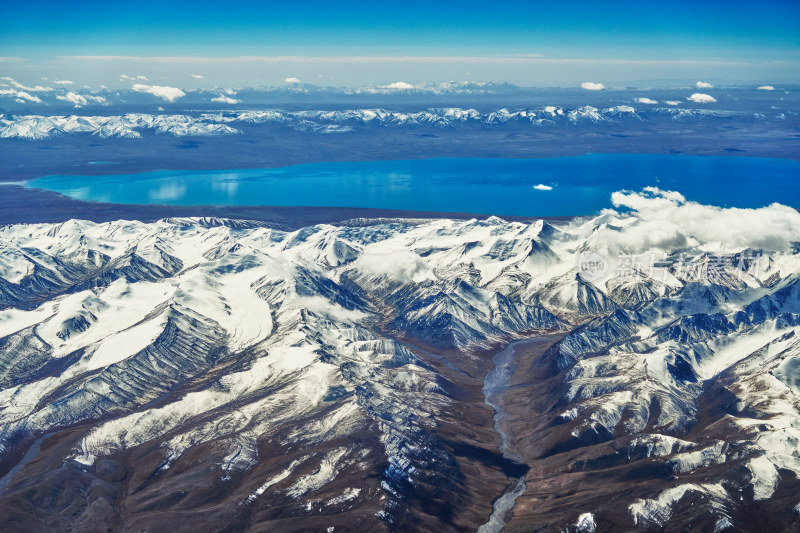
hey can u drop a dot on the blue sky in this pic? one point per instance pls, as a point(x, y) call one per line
point(535, 43)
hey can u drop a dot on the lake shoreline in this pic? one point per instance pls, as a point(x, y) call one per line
point(106, 168)
point(21, 205)
point(555, 189)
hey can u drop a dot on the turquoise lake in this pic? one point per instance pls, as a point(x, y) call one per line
point(579, 185)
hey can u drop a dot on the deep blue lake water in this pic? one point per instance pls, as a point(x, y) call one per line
point(580, 185)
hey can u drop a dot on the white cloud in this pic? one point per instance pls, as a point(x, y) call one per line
point(592, 86)
point(403, 266)
point(701, 98)
point(766, 88)
point(672, 102)
point(198, 76)
point(18, 85)
point(291, 79)
point(703, 85)
point(63, 82)
point(668, 221)
point(644, 100)
point(543, 187)
point(20, 96)
point(75, 98)
point(400, 85)
point(170, 94)
point(81, 100)
point(125, 77)
point(225, 99)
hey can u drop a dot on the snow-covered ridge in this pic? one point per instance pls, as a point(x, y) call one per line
point(298, 338)
point(134, 125)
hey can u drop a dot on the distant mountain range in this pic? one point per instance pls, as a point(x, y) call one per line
point(134, 125)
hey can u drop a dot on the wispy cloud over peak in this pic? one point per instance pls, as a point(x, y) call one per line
point(125, 77)
point(225, 99)
point(79, 99)
point(18, 85)
point(198, 76)
point(75, 98)
point(63, 82)
point(291, 79)
point(21, 96)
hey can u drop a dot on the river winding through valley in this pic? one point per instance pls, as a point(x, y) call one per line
point(494, 386)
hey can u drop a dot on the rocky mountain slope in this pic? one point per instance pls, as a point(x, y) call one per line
point(217, 374)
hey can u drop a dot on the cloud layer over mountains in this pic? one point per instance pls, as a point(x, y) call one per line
point(666, 220)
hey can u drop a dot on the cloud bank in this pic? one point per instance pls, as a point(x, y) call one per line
point(291, 79)
point(170, 94)
point(592, 86)
point(198, 76)
point(766, 88)
point(703, 85)
point(543, 187)
point(644, 100)
point(667, 221)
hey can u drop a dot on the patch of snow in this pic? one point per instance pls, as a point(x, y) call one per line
point(346, 496)
point(323, 475)
point(586, 523)
point(764, 477)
